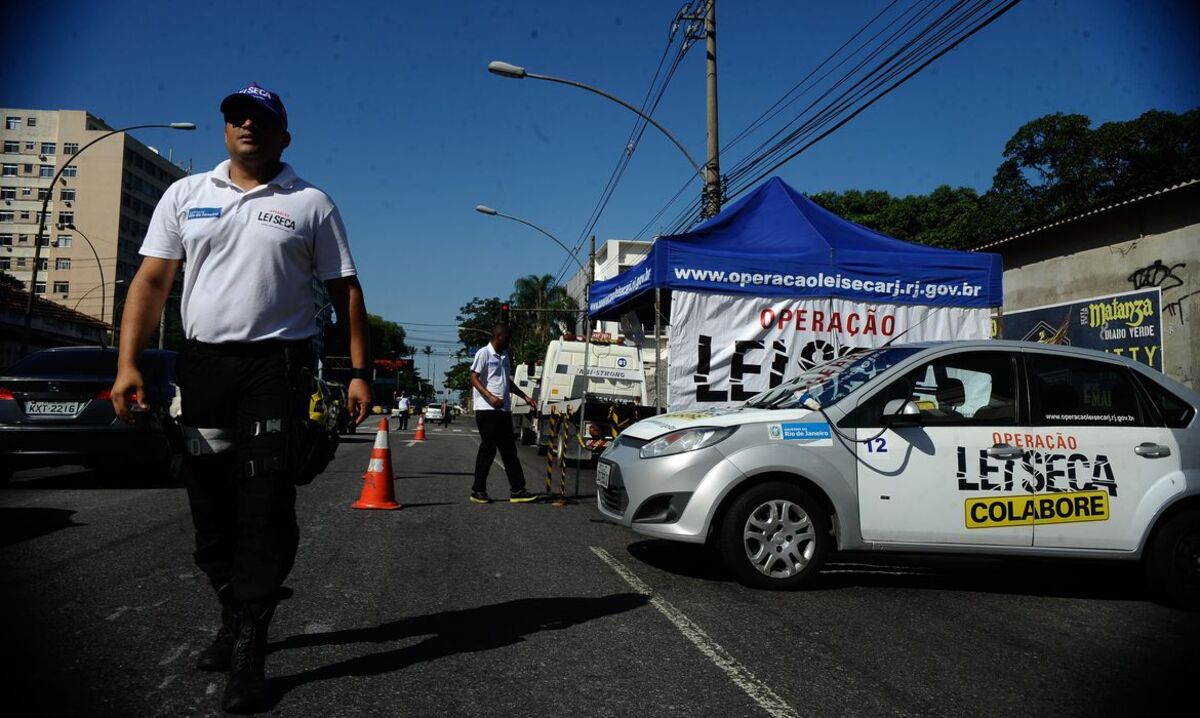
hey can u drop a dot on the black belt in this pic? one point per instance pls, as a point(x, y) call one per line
point(266, 347)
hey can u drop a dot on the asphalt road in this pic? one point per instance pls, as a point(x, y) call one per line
point(446, 608)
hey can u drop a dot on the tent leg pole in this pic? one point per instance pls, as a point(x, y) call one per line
point(657, 351)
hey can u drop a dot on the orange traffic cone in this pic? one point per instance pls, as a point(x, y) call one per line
point(420, 435)
point(377, 490)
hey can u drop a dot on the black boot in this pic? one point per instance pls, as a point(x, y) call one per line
point(246, 690)
point(215, 658)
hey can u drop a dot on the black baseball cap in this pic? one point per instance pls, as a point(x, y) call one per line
point(261, 97)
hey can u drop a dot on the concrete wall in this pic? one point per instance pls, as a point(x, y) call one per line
point(1151, 242)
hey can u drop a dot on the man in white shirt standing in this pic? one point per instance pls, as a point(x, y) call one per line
point(492, 385)
point(253, 235)
point(403, 406)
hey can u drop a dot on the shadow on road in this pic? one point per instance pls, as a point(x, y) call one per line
point(450, 633)
point(1113, 581)
point(134, 477)
point(21, 524)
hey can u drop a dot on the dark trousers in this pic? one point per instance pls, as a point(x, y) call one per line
point(404, 419)
point(495, 433)
point(243, 501)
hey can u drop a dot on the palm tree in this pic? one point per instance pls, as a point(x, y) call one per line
point(541, 292)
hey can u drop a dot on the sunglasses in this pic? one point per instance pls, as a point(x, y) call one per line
point(237, 119)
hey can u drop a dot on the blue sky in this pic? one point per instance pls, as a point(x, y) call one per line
point(393, 112)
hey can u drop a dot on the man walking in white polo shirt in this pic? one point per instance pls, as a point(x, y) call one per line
point(491, 380)
point(253, 235)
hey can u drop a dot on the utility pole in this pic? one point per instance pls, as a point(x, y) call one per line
point(712, 167)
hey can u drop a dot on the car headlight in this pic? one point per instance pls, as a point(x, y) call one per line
point(678, 442)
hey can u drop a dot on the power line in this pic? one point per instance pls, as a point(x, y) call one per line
point(648, 107)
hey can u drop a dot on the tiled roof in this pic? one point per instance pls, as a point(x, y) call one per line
point(1089, 213)
point(15, 300)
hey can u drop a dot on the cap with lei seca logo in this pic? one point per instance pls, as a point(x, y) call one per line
point(263, 97)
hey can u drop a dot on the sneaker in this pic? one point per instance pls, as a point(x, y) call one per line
point(480, 497)
point(522, 497)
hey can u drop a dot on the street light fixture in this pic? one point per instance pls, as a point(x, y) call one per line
point(516, 72)
point(37, 248)
point(484, 209)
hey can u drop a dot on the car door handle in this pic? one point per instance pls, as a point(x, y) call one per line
point(1152, 451)
point(1005, 451)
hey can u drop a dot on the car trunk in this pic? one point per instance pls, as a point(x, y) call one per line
point(78, 400)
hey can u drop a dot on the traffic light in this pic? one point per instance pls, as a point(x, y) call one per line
point(504, 313)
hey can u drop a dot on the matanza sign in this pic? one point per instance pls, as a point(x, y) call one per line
point(726, 348)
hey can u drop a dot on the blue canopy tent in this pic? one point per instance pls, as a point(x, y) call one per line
point(775, 242)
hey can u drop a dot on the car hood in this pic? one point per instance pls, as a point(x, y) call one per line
point(659, 425)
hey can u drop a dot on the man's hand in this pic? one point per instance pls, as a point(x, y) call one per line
point(494, 400)
point(358, 399)
point(128, 382)
point(530, 402)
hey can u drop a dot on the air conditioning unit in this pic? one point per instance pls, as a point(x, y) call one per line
point(64, 296)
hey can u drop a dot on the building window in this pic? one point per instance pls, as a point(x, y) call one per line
point(20, 261)
point(8, 170)
point(66, 218)
point(62, 263)
point(43, 193)
point(24, 214)
point(46, 171)
point(5, 263)
point(12, 123)
point(6, 240)
point(44, 240)
point(62, 287)
point(39, 288)
point(11, 147)
point(28, 168)
point(7, 217)
point(70, 148)
point(65, 240)
point(26, 191)
point(8, 192)
point(67, 195)
point(49, 148)
point(23, 238)
point(29, 147)
point(43, 264)
point(70, 171)
point(31, 121)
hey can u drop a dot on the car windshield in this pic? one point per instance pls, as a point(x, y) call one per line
point(833, 381)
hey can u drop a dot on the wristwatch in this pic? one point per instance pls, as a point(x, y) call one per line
point(360, 373)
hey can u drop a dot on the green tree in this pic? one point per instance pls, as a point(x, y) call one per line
point(533, 330)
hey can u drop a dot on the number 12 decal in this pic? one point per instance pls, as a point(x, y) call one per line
point(877, 446)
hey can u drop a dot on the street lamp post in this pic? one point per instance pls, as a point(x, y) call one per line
point(516, 72)
point(37, 248)
point(587, 320)
point(710, 175)
point(99, 267)
point(85, 295)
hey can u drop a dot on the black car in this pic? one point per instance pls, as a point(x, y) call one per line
point(56, 409)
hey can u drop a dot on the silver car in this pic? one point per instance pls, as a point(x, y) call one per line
point(994, 447)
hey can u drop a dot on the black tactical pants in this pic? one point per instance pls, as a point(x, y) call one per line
point(495, 434)
point(240, 403)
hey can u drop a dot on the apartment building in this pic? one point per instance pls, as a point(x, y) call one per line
point(97, 215)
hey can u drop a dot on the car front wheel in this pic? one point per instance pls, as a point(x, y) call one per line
point(1173, 563)
point(774, 536)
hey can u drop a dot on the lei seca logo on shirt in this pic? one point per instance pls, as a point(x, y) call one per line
point(277, 218)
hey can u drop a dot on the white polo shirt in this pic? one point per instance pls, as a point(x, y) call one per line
point(250, 255)
point(494, 370)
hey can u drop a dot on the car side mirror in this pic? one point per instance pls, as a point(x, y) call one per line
point(901, 412)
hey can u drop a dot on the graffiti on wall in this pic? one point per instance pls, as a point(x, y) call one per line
point(1169, 278)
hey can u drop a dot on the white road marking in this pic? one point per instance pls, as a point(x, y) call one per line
point(116, 614)
point(741, 676)
point(411, 444)
point(175, 653)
